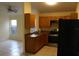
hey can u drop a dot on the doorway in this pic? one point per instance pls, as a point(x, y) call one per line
point(13, 29)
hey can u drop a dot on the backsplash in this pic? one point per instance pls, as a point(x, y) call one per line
point(33, 30)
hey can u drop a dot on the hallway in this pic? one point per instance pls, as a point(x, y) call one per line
point(10, 48)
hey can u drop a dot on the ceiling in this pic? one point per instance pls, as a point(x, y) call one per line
point(42, 7)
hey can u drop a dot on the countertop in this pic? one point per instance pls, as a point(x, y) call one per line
point(35, 34)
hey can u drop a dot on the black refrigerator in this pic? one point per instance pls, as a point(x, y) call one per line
point(68, 42)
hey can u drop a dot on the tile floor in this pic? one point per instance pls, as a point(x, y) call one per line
point(10, 48)
point(14, 48)
point(48, 50)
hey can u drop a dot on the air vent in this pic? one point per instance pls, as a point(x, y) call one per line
point(12, 9)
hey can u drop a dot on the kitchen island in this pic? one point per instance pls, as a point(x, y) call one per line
point(35, 41)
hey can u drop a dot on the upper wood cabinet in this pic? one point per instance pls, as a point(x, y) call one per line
point(29, 20)
point(32, 21)
point(44, 22)
point(74, 15)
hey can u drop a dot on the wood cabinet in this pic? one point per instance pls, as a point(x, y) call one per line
point(33, 44)
point(44, 22)
point(26, 20)
point(29, 20)
point(32, 21)
point(74, 16)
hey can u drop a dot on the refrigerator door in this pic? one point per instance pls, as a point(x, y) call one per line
point(68, 37)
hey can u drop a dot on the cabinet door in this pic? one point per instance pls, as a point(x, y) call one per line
point(34, 44)
point(44, 22)
point(74, 15)
point(27, 43)
point(27, 20)
point(37, 44)
point(45, 37)
point(32, 21)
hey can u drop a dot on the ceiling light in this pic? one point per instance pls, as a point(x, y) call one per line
point(51, 3)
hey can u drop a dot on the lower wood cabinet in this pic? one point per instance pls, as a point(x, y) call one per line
point(33, 44)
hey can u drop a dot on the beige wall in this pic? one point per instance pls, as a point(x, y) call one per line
point(77, 10)
point(4, 23)
point(57, 13)
point(27, 7)
point(19, 16)
point(36, 13)
point(37, 22)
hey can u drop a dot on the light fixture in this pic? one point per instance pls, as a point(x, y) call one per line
point(51, 3)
